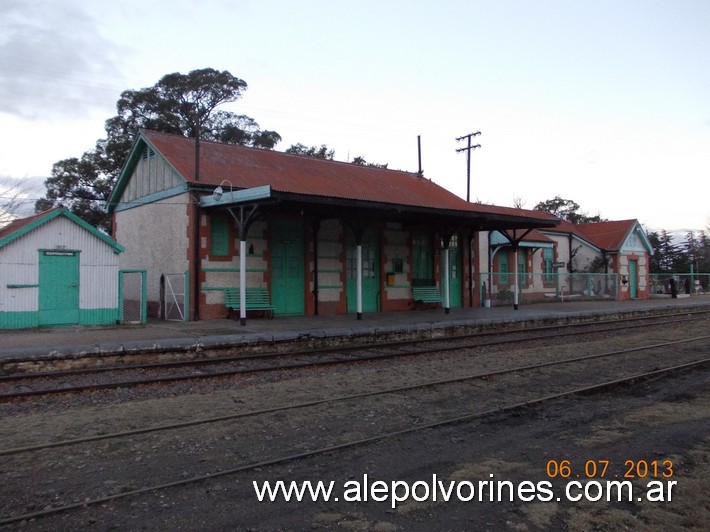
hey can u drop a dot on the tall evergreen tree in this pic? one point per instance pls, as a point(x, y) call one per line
point(655, 240)
point(668, 252)
point(691, 251)
point(703, 252)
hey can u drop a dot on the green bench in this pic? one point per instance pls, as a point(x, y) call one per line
point(257, 299)
point(426, 295)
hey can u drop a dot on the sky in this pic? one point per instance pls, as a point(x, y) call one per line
point(603, 102)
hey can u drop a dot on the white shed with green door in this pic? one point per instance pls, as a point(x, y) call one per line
point(56, 269)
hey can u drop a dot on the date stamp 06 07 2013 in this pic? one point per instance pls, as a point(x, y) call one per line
point(599, 468)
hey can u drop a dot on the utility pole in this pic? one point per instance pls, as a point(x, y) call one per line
point(468, 149)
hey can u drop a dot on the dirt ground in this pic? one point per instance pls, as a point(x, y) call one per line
point(668, 419)
point(663, 422)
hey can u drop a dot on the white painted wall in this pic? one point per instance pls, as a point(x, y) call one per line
point(19, 265)
point(155, 237)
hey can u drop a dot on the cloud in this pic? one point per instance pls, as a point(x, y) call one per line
point(54, 62)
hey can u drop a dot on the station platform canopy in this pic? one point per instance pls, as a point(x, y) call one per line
point(287, 183)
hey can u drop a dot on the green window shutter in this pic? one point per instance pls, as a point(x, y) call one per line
point(219, 236)
point(503, 267)
point(422, 259)
point(548, 257)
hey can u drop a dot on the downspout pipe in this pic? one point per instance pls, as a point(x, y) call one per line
point(196, 259)
point(196, 236)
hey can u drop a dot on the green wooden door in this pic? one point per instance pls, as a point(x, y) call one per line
point(633, 279)
point(454, 273)
point(287, 270)
point(422, 258)
point(370, 273)
point(58, 287)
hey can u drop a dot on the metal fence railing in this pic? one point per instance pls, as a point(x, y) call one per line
point(132, 295)
point(174, 296)
point(685, 283)
point(497, 288)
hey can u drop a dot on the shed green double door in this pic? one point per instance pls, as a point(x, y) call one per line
point(58, 287)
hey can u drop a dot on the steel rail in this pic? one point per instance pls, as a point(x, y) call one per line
point(305, 404)
point(299, 365)
point(595, 388)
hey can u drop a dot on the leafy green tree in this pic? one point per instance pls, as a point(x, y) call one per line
point(316, 152)
point(566, 209)
point(323, 152)
point(182, 104)
point(81, 186)
point(360, 160)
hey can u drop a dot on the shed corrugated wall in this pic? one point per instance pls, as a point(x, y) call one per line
point(98, 272)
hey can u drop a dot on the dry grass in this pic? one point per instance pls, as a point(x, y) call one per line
point(667, 413)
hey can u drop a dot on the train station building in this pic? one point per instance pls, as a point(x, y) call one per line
point(320, 237)
point(218, 225)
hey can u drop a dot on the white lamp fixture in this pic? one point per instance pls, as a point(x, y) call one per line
point(217, 193)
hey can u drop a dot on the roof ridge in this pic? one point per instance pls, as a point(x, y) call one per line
point(22, 226)
point(149, 132)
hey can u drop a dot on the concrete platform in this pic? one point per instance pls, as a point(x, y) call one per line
point(66, 342)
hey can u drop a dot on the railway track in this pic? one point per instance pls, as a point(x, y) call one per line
point(498, 392)
point(22, 386)
point(564, 387)
point(349, 397)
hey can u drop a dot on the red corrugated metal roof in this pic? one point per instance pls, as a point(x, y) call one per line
point(21, 226)
point(251, 167)
point(19, 223)
point(537, 236)
point(607, 235)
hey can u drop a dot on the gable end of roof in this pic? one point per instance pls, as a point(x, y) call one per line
point(21, 227)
